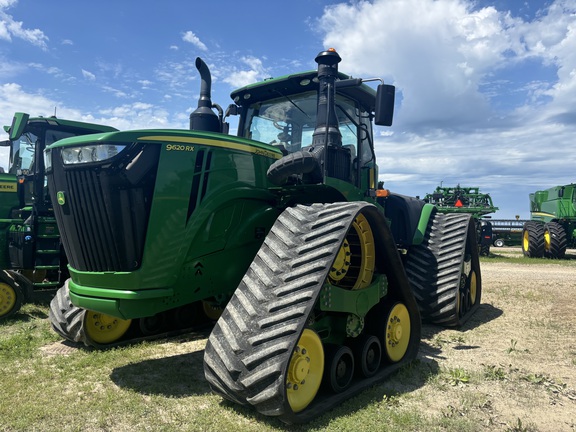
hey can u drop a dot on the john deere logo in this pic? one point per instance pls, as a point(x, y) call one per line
point(61, 198)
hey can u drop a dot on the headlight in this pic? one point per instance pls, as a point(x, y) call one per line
point(90, 153)
point(47, 160)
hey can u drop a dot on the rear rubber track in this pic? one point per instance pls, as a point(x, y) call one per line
point(434, 269)
point(249, 350)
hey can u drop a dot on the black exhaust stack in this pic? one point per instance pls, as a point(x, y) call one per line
point(327, 132)
point(203, 118)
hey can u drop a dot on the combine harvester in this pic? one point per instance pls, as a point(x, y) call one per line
point(467, 200)
point(552, 228)
point(31, 256)
point(275, 234)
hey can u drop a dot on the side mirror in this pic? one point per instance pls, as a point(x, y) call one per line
point(18, 124)
point(384, 111)
point(5, 143)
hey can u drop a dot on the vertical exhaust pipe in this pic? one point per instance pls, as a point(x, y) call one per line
point(203, 118)
point(327, 132)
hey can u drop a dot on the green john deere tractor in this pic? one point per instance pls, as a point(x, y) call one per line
point(467, 200)
point(276, 234)
point(552, 228)
point(31, 257)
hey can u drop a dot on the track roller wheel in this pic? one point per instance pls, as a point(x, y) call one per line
point(212, 312)
point(11, 298)
point(104, 329)
point(305, 371)
point(367, 355)
point(397, 332)
point(152, 325)
point(339, 369)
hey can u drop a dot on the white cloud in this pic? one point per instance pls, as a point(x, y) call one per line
point(194, 40)
point(9, 28)
point(255, 72)
point(444, 57)
point(88, 75)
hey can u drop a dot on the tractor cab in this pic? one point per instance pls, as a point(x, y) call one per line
point(321, 123)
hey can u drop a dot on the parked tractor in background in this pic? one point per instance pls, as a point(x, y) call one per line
point(467, 200)
point(552, 226)
point(275, 234)
point(31, 257)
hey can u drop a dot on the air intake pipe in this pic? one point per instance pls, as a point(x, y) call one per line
point(203, 118)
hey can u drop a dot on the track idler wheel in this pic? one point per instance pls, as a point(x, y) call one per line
point(367, 355)
point(103, 329)
point(396, 332)
point(339, 369)
point(305, 371)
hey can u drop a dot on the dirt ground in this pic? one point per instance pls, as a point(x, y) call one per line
point(519, 347)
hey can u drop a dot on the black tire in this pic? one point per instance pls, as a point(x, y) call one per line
point(444, 271)
point(499, 243)
point(11, 295)
point(485, 250)
point(555, 240)
point(533, 239)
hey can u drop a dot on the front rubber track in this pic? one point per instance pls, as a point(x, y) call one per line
point(68, 321)
point(434, 268)
point(249, 350)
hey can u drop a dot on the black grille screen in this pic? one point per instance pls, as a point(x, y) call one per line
point(104, 219)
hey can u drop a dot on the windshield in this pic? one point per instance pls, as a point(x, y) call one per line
point(23, 149)
point(289, 122)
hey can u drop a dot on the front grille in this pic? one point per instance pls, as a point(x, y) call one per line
point(104, 219)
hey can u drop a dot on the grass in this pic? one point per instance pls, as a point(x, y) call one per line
point(514, 256)
point(160, 386)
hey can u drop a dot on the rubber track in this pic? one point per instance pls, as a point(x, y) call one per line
point(434, 268)
point(250, 347)
point(66, 319)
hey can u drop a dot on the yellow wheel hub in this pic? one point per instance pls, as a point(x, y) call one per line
point(547, 241)
point(397, 332)
point(102, 328)
point(473, 287)
point(354, 265)
point(212, 312)
point(305, 371)
point(7, 298)
point(341, 263)
point(526, 241)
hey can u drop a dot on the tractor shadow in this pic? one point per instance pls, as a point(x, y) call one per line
point(176, 376)
point(182, 375)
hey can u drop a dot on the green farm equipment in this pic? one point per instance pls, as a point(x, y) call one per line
point(31, 257)
point(507, 232)
point(276, 234)
point(467, 200)
point(552, 225)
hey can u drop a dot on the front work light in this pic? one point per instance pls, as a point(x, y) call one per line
point(90, 153)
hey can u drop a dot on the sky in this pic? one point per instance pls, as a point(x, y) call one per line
point(485, 89)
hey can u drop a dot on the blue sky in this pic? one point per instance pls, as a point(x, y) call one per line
point(486, 90)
